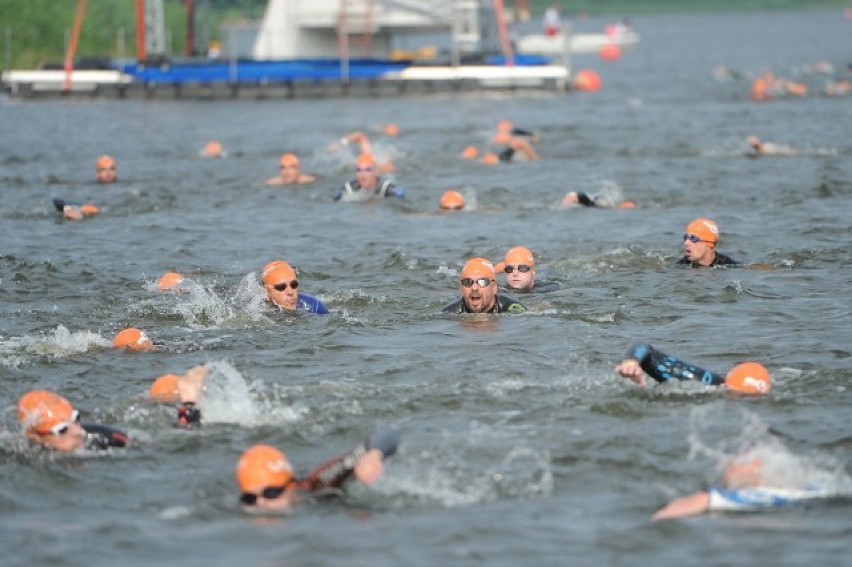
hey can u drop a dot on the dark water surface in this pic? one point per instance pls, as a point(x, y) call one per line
point(519, 444)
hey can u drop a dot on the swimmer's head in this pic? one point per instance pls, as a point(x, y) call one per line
point(365, 160)
point(743, 471)
point(289, 160)
point(165, 389)
point(754, 142)
point(452, 200)
point(212, 149)
point(50, 419)
point(504, 126)
point(169, 281)
point(502, 138)
point(281, 285)
point(478, 268)
point(89, 209)
point(749, 378)
point(519, 266)
point(276, 271)
point(133, 339)
point(470, 152)
point(490, 159)
point(263, 473)
point(105, 169)
point(705, 229)
point(391, 130)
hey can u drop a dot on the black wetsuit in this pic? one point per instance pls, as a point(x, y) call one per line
point(507, 154)
point(99, 437)
point(718, 260)
point(502, 304)
point(332, 474)
point(663, 367)
point(585, 200)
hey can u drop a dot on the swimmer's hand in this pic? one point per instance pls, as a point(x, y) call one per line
point(685, 506)
point(630, 368)
point(189, 384)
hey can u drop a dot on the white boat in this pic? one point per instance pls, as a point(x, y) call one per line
point(574, 43)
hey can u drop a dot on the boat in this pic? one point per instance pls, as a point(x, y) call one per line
point(575, 43)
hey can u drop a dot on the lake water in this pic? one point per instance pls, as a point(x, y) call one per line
point(519, 443)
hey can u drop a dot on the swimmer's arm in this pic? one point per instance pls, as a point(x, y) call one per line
point(189, 387)
point(338, 195)
point(663, 367)
point(685, 506)
point(585, 200)
point(365, 461)
point(396, 191)
point(103, 436)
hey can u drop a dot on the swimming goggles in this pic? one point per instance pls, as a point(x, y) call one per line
point(523, 268)
point(62, 428)
point(268, 493)
point(481, 282)
point(283, 285)
point(693, 238)
point(363, 169)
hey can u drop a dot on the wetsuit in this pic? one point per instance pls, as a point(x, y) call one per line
point(352, 191)
point(311, 304)
point(757, 498)
point(332, 474)
point(502, 304)
point(585, 200)
point(508, 153)
point(99, 437)
point(663, 367)
point(718, 260)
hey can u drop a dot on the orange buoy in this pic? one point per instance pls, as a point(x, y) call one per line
point(610, 52)
point(587, 80)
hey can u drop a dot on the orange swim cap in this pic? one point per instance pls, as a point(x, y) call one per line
point(470, 152)
point(279, 272)
point(490, 159)
point(165, 389)
point(753, 141)
point(169, 280)
point(392, 130)
point(365, 160)
point(289, 159)
point(132, 338)
point(262, 466)
point(477, 268)
point(104, 161)
point(212, 149)
point(504, 126)
point(519, 255)
point(628, 205)
point(452, 200)
point(42, 410)
point(89, 209)
point(749, 378)
point(705, 229)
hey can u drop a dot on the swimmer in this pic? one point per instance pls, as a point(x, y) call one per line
point(469, 153)
point(170, 281)
point(279, 280)
point(643, 359)
point(574, 198)
point(517, 142)
point(699, 243)
point(213, 149)
point(451, 200)
point(75, 211)
point(519, 267)
point(366, 147)
point(758, 148)
point(745, 488)
point(290, 172)
point(49, 420)
point(367, 183)
point(132, 338)
point(184, 389)
point(105, 169)
point(267, 483)
point(478, 288)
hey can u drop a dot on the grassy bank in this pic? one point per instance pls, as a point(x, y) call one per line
point(34, 32)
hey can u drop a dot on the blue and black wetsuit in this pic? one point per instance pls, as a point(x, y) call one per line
point(663, 367)
point(100, 437)
point(502, 304)
point(352, 191)
point(311, 304)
